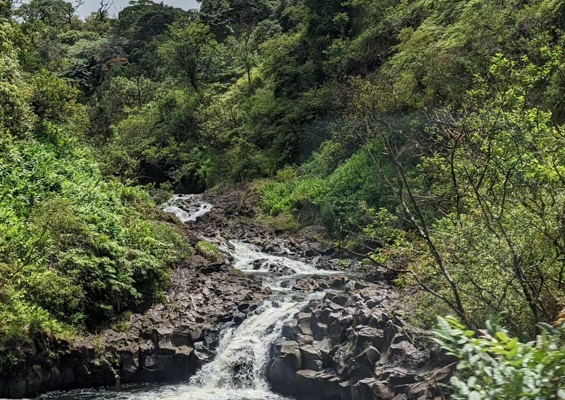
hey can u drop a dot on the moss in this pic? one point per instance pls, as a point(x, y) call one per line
point(208, 250)
point(122, 324)
point(283, 222)
point(99, 347)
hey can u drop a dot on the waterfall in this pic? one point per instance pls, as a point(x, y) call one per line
point(243, 351)
point(237, 372)
point(249, 259)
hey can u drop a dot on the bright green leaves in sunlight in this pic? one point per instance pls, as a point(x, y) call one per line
point(499, 180)
point(64, 227)
point(495, 365)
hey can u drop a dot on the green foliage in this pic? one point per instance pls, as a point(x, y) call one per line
point(81, 248)
point(490, 240)
point(426, 136)
point(75, 250)
point(191, 52)
point(495, 365)
point(283, 222)
point(159, 142)
point(336, 200)
point(22, 319)
point(144, 23)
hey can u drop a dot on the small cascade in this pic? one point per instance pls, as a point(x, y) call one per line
point(249, 259)
point(186, 207)
point(243, 351)
point(237, 371)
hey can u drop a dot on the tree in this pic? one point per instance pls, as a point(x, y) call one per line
point(191, 52)
point(144, 24)
point(103, 10)
point(505, 165)
point(58, 14)
point(482, 191)
point(227, 17)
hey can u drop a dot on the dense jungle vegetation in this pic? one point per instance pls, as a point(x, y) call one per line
point(427, 136)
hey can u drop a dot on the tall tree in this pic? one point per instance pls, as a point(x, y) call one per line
point(191, 52)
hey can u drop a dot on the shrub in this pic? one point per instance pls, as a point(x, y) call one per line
point(336, 200)
point(208, 250)
point(497, 366)
point(74, 248)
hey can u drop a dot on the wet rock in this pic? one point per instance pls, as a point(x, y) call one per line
point(17, 389)
point(304, 326)
point(68, 377)
point(358, 352)
point(290, 330)
point(363, 389)
point(367, 335)
point(330, 385)
point(345, 390)
point(304, 339)
point(383, 390)
point(324, 348)
point(54, 379)
point(320, 331)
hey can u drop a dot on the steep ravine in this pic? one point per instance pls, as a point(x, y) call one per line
point(268, 314)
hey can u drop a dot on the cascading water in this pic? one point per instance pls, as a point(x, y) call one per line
point(237, 370)
point(276, 270)
point(243, 351)
point(185, 207)
point(248, 259)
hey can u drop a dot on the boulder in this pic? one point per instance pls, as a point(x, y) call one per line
point(311, 359)
point(307, 384)
point(362, 390)
point(281, 371)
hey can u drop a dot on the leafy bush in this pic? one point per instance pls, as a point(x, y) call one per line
point(20, 319)
point(336, 200)
point(158, 142)
point(497, 366)
point(81, 248)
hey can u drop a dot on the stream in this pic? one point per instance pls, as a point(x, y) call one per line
point(237, 371)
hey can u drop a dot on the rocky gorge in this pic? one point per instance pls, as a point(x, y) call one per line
point(332, 334)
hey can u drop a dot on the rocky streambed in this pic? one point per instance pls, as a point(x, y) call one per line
point(268, 314)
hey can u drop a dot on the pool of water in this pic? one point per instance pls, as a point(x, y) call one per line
point(164, 392)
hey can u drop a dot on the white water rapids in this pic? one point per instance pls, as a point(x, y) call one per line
point(237, 372)
point(180, 205)
point(248, 259)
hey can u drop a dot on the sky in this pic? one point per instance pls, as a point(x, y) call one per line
point(92, 5)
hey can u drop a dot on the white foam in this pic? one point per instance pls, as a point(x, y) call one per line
point(243, 351)
point(177, 205)
point(246, 254)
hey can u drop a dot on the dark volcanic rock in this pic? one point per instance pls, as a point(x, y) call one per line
point(158, 346)
point(358, 352)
